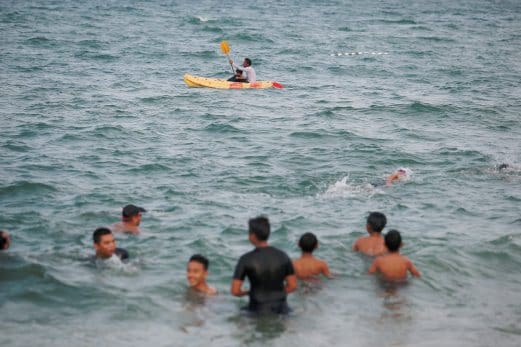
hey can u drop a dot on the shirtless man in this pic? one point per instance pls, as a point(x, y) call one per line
point(373, 244)
point(196, 273)
point(307, 266)
point(130, 220)
point(398, 175)
point(269, 271)
point(393, 266)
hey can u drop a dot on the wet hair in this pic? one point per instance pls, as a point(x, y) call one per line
point(3, 239)
point(308, 242)
point(98, 233)
point(200, 259)
point(503, 167)
point(377, 221)
point(248, 60)
point(260, 227)
point(393, 240)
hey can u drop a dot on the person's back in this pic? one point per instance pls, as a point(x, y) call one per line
point(269, 271)
point(308, 266)
point(373, 244)
point(266, 269)
point(393, 266)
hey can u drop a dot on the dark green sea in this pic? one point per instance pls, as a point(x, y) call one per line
point(95, 115)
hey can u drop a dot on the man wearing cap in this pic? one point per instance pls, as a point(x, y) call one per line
point(130, 220)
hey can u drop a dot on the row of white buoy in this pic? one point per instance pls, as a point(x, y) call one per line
point(339, 54)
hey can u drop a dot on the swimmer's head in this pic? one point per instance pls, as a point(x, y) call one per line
point(197, 270)
point(503, 167)
point(308, 243)
point(104, 243)
point(5, 242)
point(393, 240)
point(259, 227)
point(132, 214)
point(376, 222)
point(404, 172)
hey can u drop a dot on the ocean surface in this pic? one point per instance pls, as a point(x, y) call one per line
point(95, 115)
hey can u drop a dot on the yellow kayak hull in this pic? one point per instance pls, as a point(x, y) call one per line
point(204, 82)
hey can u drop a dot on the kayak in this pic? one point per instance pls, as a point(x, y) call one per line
point(204, 82)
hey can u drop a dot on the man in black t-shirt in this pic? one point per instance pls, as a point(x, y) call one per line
point(268, 269)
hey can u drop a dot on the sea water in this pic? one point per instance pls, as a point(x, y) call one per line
point(94, 115)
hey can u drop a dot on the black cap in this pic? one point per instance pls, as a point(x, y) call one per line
point(132, 210)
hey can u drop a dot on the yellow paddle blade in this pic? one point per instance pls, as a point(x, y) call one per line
point(225, 48)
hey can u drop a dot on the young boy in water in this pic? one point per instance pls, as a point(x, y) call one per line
point(307, 266)
point(393, 266)
point(196, 273)
point(373, 244)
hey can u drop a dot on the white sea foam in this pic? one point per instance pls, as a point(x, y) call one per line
point(344, 188)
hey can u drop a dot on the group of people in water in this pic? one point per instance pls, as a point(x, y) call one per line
point(271, 274)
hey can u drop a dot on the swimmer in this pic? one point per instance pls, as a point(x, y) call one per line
point(398, 175)
point(130, 220)
point(105, 245)
point(196, 273)
point(5, 241)
point(393, 266)
point(307, 266)
point(374, 244)
point(269, 271)
point(503, 167)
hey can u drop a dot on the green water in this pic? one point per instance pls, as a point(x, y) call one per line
point(95, 115)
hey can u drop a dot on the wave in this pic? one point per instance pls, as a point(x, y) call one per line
point(222, 128)
point(344, 189)
point(26, 187)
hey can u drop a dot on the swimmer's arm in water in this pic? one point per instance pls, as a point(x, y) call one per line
point(414, 271)
point(236, 288)
point(391, 179)
point(291, 283)
point(325, 270)
point(355, 246)
point(374, 267)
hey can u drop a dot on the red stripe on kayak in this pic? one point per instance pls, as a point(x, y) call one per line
point(277, 85)
point(235, 85)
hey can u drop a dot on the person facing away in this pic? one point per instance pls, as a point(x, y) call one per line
point(105, 245)
point(5, 241)
point(393, 266)
point(130, 220)
point(246, 69)
point(307, 266)
point(196, 273)
point(268, 269)
point(374, 244)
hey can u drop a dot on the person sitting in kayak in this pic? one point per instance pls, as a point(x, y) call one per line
point(246, 69)
point(238, 77)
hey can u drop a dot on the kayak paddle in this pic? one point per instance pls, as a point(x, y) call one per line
point(225, 48)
